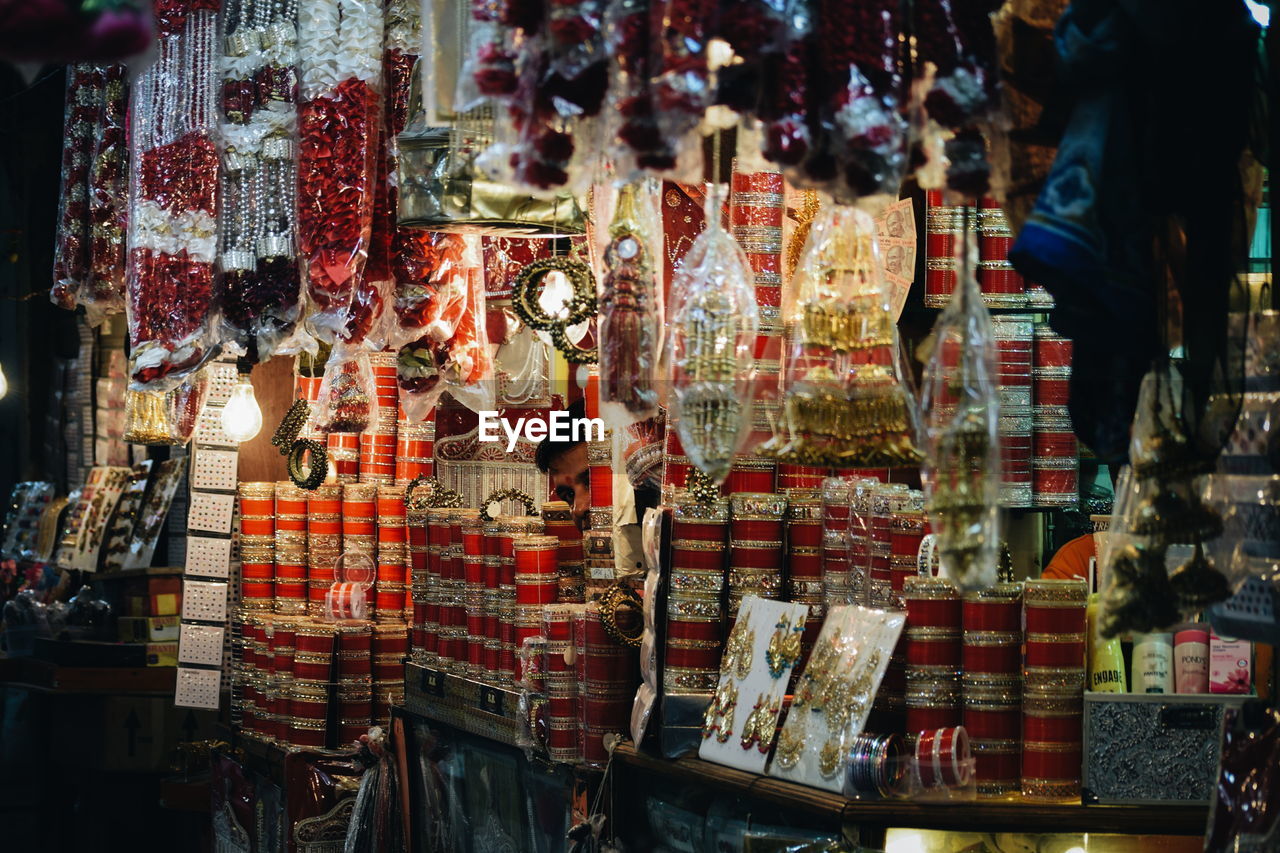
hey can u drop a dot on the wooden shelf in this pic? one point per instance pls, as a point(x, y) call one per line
point(984, 815)
point(36, 674)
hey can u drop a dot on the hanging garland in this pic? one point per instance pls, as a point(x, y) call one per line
point(507, 495)
point(312, 477)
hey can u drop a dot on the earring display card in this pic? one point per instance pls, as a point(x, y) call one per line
point(120, 531)
point(741, 721)
point(197, 688)
point(201, 645)
point(204, 601)
point(222, 378)
point(208, 557)
point(152, 514)
point(209, 429)
point(214, 470)
point(834, 695)
point(87, 529)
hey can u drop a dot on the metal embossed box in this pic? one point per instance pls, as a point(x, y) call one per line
point(1152, 748)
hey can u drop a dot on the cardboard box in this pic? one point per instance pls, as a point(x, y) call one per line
point(162, 654)
point(148, 629)
point(154, 596)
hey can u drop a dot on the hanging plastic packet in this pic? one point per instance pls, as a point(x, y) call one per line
point(347, 402)
point(636, 144)
point(72, 237)
point(165, 418)
point(961, 472)
point(714, 321)
point(630, 320)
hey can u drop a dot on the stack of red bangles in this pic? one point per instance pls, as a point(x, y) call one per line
point(1013, 370)
point(355, 678)
point(344, 456)
point(607, 675)
point(557, 520)
point(415, 447)
point(757, 522)
point(1002, 286)
point(378, 445)
point(324, 542)
point(390, 646)
point(416, 515)
point(257, 546)
point(944, 230)
point(1055, 461)
point(510, 528)
point(676, 467)
point(933, 654)
point(879, 573)
point(473, 587)
point(992, 620)
point(537, 585)
point(695, 604)
point(837, 569)
point(907, 526)
point(359, 521)
point(392, 582)
point(804, 563)
point(1053, 687)
point(560, 681)
point(291, 549)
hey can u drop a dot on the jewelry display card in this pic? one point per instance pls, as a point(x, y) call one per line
point(120, 533)
point(834, 694)
point(87, 529)
point(763, 647)
point(151, 517)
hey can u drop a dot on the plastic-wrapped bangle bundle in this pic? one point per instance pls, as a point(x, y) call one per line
point(639, 142)
point(257, 545)
point(492, 566)
point(453, 613)
point(359, 519)
point(630, 322)
point(108, 199)
point(755, 547)
point(511, 527)
point(880, 542)
point(932, 654)
point(258, 219)
point(557, 519)
point(837, 575)
point(416, 515)
point(392, 581)
point(173, 214)
point(437, 536)
point(340, 67)
point(291, 549)
point(560, 680)
point(324, 541)
point(71, 258)
point(756, 212)
point(1053, 689)
point(714, 321)
point(1002, 286)
point(907, 526)
point(675, 465)
point(1055, 459)
point(607, 677)
point(1014, 342)
point(695, 609)
point(378, 445)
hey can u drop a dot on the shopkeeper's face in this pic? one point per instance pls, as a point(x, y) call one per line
point(570, 482)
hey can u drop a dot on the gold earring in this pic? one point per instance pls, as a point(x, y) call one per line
point(766, 725)
point(751, 725)
point(739, 649)
point(726, 725)
point(791, 744)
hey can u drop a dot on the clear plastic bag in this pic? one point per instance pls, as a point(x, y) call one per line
point(165, 418)
point(347, 401)
point(636, 142)
point(1243, 816)
point(713, 326)
point(961, 406)
point(630, 320)
point(430, 278)
point(108, 200)
point(174, 204)
point(71, 247)
point(340, 69)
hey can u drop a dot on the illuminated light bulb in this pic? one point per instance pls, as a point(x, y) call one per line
point(4, 384)
point(241, 417)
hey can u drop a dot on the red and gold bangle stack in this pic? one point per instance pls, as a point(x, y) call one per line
point(344, 456)
point(281, 638)
point(837, 569)
point(607, 677)
point(1055, 474)
point(757, 204)
point(944, 229)
point(804, 477)
point(992, 660)
point(599, 567)
point(437, 543)
point(560, 681)
point(880, 573)
point(416, 527)
point(695, 608)
point(291, 549)
point(492, 598)
point(473, 594)
point(537, 585)
point(247, 684)
point(804, 562)
point(359, 519)
point(390, 645)
point(1013, 336)
point(932, 638)
point(906, 528)
point(415, 442)
point(1002, 286)
point(392, 581)
point(257, 546)
point(557, 520)
point(1053, 688)
point(324, 542)
point(600, 471)
point(453, 601)
point(355, 678)
point(314, 659)
point(511, 527)
point(756, 527)
point(378, 445)
point(675, 465)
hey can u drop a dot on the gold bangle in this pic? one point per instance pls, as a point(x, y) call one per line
point(617, 597)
